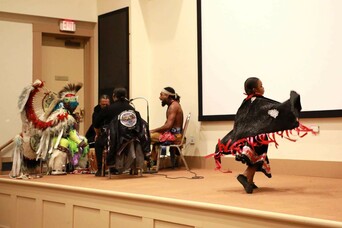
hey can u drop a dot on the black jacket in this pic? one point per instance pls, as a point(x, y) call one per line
point(106, 115)
point(253, 117)
point(121, 135)
point(90, 134)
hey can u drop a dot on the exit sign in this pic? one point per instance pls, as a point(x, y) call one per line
point(67, 26)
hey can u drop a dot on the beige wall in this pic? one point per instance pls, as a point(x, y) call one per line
point(65, 9)
point(106, 6)
point(140, 50)
point(16, 70)
point(17, 49)
point(163, 53)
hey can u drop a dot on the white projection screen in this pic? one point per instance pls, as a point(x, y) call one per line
point(289, 45)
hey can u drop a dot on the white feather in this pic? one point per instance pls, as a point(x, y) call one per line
point(17, 157)
point(59, 138)
point(24, 96)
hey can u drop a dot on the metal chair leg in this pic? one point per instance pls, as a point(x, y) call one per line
point(183, 159)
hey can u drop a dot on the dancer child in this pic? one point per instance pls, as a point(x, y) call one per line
point(257, 122)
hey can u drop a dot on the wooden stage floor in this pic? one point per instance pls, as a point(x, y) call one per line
point(314, 197)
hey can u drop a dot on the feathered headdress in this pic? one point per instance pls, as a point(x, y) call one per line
point(69, 90)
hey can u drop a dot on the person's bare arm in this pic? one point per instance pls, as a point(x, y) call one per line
point(171, 116)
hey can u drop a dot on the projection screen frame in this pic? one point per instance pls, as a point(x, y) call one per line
point(202, 117)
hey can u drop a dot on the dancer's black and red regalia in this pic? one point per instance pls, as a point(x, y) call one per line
point(258, 122)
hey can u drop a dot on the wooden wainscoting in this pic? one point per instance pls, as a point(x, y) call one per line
point(25, 203)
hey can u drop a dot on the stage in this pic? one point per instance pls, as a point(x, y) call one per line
point(284, 199)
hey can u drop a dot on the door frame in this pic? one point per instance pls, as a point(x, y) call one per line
point(85, 31)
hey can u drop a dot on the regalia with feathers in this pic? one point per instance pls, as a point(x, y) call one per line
point(49, 129)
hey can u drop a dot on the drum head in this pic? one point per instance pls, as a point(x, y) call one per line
point(31, 147)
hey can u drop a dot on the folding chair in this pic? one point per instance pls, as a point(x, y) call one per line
point(180, 146)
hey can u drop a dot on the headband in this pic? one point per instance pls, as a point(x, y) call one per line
point(169, 93)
